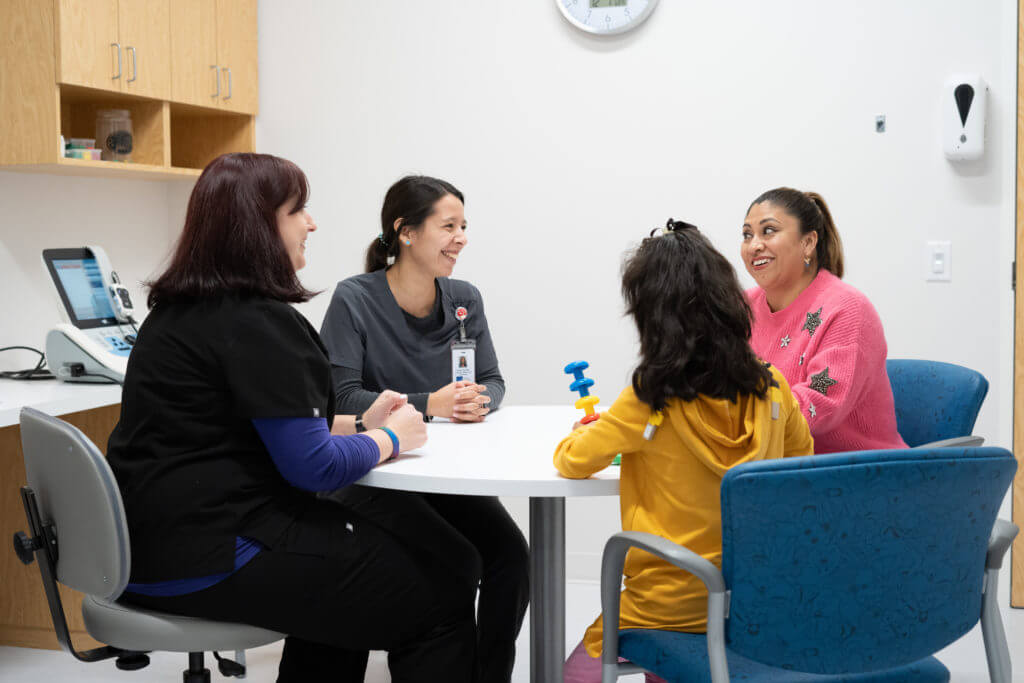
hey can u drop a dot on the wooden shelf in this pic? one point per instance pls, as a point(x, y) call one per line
point(108, 169)
point(45, 95)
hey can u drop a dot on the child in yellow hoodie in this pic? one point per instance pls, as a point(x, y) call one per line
point(719, 406)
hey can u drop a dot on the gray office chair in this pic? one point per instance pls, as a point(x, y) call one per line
point(80, 538)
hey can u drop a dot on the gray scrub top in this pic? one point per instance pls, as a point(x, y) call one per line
point(368, 337)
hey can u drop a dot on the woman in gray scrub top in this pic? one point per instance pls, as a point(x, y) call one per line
point(393, 327)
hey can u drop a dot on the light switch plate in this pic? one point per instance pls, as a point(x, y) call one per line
point(939, 264)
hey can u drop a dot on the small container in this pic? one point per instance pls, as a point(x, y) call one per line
point(81, 143)
point(79, 153)
point(114, 134)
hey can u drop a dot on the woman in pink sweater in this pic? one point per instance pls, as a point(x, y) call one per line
point(821, 333)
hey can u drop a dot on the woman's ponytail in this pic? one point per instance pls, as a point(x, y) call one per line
point(830, 248)
point(379, 250)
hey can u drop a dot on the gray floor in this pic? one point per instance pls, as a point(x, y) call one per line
point(966, 658)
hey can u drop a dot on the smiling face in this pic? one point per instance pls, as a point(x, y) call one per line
point(294, 225)
point(773, 249)
point(437, 242)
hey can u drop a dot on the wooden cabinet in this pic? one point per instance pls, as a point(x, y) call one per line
point(195, 74)
point(59, 60)
point(115, 45)
point(86, 45)
point(236, 54)
point(214, 54)
point(144, 33)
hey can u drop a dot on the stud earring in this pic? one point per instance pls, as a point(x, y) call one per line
point(408, 243)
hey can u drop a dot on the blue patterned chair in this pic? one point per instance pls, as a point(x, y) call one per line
point(850, 567)
point(936, 403)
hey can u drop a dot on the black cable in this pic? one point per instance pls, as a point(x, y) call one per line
point(36, 373)
point(110, 380)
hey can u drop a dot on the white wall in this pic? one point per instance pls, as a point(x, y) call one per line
point(134, 221)
point(569, 148)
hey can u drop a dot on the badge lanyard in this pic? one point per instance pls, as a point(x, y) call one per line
point(463, 351)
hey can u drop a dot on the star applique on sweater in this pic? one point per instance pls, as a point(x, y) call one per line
point(821, 382)
point(813, 320)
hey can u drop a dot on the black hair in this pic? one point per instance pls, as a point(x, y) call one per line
point(693, 319)
point(410, 201)
point(811, 211)
point(230, 242)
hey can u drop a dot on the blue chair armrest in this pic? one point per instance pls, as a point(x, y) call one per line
point(612, 564)
point(955, 442)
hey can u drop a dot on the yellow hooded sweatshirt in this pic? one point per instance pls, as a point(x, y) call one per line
point(670, 487)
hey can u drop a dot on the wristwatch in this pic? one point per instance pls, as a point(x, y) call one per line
point(360, 427)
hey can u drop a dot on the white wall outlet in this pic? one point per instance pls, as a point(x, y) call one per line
point(940, 262)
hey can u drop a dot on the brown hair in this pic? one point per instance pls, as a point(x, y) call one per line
point(810, 209)
point(693, 319)
point(411, 199)
point(230, 242)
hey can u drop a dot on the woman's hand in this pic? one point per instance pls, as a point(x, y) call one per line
point(461, 401)
point(408, 425)
point(441, 403)
point(387, 403)
point(470, 403)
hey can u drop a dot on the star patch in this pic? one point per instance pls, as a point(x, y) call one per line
point(821, 382)
point(813, 320)
point(811, 409)
point(784, 342)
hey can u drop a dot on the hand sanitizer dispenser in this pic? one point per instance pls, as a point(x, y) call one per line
point(964, 101)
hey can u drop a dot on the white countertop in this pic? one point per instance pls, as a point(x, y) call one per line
point(53, 397)
point(508, 454)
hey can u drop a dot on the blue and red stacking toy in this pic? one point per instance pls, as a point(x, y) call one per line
point(582, 384)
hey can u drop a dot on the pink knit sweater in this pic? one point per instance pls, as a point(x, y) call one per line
point(830, 346)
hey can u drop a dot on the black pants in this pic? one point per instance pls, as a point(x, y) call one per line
point(364, 591)
point(475, 533)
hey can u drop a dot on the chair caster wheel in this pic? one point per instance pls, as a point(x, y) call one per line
point(132, 662)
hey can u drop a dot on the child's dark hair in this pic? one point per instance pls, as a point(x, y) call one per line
point(693, 319)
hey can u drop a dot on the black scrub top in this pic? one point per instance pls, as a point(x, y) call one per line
point(192, 469)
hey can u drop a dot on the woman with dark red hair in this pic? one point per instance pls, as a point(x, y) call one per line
point(227, 432)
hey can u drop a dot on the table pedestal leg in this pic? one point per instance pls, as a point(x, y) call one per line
point(547, 589)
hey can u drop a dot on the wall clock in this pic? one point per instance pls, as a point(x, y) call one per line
point(606, 17)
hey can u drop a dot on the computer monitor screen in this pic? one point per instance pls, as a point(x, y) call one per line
point(76, 274)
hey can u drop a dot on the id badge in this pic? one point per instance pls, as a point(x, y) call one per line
point(464, 360)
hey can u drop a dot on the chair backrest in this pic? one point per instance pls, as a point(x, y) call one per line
point(934, 400)
point(76, 491)
point(858, 561)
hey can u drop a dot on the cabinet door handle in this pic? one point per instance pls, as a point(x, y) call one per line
point(135, 65)
point(216, 77)
point(228, 69)
point(118, 46)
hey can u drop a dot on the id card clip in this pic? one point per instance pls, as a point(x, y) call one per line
point(464, 360)
point(463, 351)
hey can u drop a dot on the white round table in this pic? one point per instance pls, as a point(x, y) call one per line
point(509, 454)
